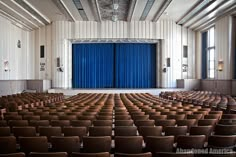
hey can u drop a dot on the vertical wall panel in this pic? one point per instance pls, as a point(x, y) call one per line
point(19, 59)
point(222, 49)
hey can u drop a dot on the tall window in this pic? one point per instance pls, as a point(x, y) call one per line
point(211, 53)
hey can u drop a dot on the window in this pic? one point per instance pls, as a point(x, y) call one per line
point(211, 53)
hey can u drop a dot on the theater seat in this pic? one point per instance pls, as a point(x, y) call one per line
point(20, 154)
point(54, 154)
point(148, 154)
point(128, 144)
point(102, 154)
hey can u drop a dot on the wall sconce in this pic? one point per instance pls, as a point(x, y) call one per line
point(6, 65)
point(220, 65)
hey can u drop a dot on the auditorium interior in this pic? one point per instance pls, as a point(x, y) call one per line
point(117, 78)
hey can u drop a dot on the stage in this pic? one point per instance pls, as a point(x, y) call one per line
point(153, 91)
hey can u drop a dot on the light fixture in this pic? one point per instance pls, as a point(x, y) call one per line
point(220, 65)
point(114, 18)
point(115, 6)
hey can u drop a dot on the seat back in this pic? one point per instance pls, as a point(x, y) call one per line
point(5, 131)
point(7, 144)
point(191, 142)
point(33, 144)
point(103, 154)
point(125, 131)
point(67, 144)
point(100, 131)
point(51, 154)
point(128, 144)
point(159, 143)
point(97, 144)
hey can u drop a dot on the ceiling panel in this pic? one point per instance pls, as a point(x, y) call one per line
point(215, 14)
point(209, 13)
point(23, 12)
point(177, 9)
point(138, 10)
point(156, 6)
point(73, 10)
point(17, 16)
point(48, 9)
point(88, 9)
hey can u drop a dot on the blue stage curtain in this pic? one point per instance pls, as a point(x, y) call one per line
point(135, 65)
point(93, 65)
point(204, 55)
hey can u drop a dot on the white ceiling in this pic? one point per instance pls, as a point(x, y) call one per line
point(193, 14)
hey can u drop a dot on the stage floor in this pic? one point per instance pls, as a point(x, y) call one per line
point(74, 91)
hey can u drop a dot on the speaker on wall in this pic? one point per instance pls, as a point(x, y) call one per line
point(168, 62)
point(42, 51)
point(58, 62)
point(185, 52)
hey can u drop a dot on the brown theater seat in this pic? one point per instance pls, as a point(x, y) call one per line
point(67, 144)
point(7, 144)
point(100, 131)
point(33, 144)
point(165, 123)
point(86, 123)
point(159, 143)
point(102, 123)
point(50, 131)
point(75, 131)
point(128, 144)
point(20, 154)
point(125, 131)
point(148, 154)
point(146, 131)
point(176, 131)
point(97, 144)
point(219, 141)
point(191, 142)
point(162, 154)
point(103, 154)
point(51, 154)
point(225, 129)
point(24, 131)
point(5, 131)
point(124, 122)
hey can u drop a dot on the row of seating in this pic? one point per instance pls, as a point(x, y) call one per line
point(222, 102)
point(122, 144)
point(15, 101)
point(144, 116)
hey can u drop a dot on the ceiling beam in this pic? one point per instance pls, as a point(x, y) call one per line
point(96, 10)
point(62, 7)
point(163, 7)
point(195, 11)
point(31, 9)
point(227, 11)
point(15, 21)
point(7, 6)
point(132, 5)
point(34, 17)
point(147, 9)
point(206, 14)
point(80, 9)
point(194, 6)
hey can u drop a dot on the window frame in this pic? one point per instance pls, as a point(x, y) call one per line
point(208, 51)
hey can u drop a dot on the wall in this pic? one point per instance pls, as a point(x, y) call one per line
point(21, 60)
point(174, 37)
point(224, 49)
point(8, 87)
